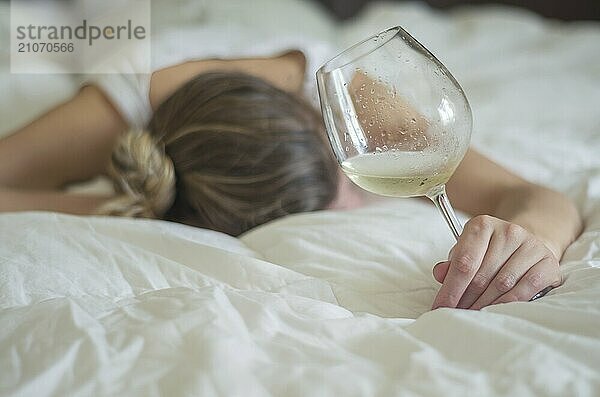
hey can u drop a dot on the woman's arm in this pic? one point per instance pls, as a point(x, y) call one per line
point(512, 252)
point(13, 200)
point(70, 143)
point(480, 186)
point(285, 71)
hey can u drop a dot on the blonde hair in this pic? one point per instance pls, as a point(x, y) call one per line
point(143, 177)
point(226, 152)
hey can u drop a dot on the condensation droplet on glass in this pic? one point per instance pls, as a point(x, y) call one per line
point(372, 90)
point(378, 149)
point(364, 106)
point(385, 147)
point(413, 120)
point(347, 148)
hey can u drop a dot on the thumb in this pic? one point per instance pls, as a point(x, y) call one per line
point(440, 270)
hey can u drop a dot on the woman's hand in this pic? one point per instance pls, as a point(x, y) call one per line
point(494, 261)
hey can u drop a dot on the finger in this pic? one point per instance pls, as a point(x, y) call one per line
point(508, 276)
point(466, 259)
point(440, 270)
point(544, 274)
point(451, 252)
point(502, 245)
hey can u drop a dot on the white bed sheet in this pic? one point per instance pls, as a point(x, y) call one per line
point(327, 303)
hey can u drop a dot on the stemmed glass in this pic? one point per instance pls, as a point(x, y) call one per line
point(397, 120)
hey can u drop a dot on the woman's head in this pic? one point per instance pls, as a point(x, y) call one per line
point(226, 152)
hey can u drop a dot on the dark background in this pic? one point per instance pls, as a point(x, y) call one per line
point(559, 9)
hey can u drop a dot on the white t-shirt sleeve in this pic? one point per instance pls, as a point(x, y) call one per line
point(129, 94)
point(123, 84)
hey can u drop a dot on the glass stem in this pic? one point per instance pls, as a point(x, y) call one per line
point(440, 199)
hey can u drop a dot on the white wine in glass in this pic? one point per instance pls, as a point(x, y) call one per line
point(397, 120)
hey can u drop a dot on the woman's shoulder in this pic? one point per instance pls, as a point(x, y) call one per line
point(285, 71)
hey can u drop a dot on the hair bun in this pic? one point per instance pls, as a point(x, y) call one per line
point(143, 175)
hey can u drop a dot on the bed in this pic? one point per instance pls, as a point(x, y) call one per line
point(327, 303)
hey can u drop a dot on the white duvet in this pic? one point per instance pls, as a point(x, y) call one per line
point(327, 303)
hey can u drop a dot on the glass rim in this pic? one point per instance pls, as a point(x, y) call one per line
point(331, 65)
point(328, 66)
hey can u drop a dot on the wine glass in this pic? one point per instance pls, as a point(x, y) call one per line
point(397, 120)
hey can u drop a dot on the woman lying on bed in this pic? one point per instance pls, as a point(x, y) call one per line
point(229, 145)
